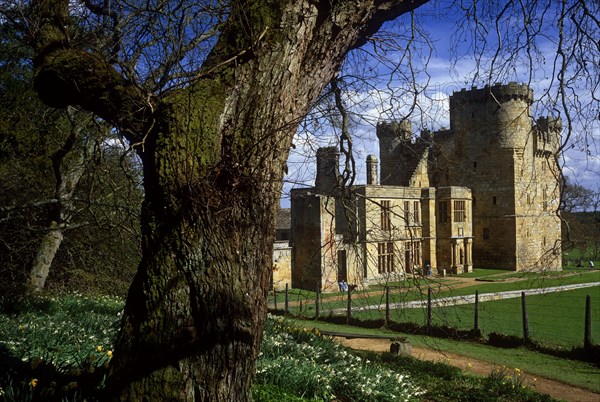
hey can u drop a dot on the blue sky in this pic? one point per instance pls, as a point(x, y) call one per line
point(450, 66)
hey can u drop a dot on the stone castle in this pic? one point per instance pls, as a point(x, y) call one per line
point(484, 192)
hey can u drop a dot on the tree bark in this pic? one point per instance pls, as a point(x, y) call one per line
point(47, 249)
point(213, 156)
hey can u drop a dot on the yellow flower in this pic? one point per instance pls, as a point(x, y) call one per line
point(33, 382)
point(109, 353)
point(99, 348)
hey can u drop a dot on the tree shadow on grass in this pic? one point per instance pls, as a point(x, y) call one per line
point(41, 380)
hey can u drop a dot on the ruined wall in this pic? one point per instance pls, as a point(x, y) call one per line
point(404, 159)
point(306, 239)
point(327, 180)
point(392, 137)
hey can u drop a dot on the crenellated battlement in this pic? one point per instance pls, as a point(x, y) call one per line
point(496, 93)
point(395, 129)
point(547, 135)
point(549, 124)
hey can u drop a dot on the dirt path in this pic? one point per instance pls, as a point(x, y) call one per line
point(553, 388)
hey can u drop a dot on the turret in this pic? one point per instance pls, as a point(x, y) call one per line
point(327, 170)
point(392, 138)
point(372, 170)
point(499, 111)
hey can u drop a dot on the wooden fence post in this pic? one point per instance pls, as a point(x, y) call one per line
point(587, 338)
point(317, 309)
point(476, 320)
point(387, 306)
point(349, 313)
point(525, 321)
point(286, 311)
point(428, 310)
point(275, 298)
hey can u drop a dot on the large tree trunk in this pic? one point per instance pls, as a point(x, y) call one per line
point(213, 157)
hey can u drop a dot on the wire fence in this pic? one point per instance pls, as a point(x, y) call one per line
point(555, 317)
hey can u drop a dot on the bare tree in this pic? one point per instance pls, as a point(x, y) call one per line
point(577, 198)
point(68, 164)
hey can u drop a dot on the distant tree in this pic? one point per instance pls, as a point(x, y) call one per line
point(576, 198)
point(581, 221)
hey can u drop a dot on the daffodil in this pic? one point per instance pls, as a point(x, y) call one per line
point(33, 382)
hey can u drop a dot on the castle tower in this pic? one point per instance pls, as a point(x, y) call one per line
point(501, 111)
point(492, 150)
point(393, 136)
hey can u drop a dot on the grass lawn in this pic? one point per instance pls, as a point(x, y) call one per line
point(301, 302)
point(503, 276)
point(555, 320)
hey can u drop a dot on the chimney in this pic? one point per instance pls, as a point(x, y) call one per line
point(372, 170)
point(327, 170)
